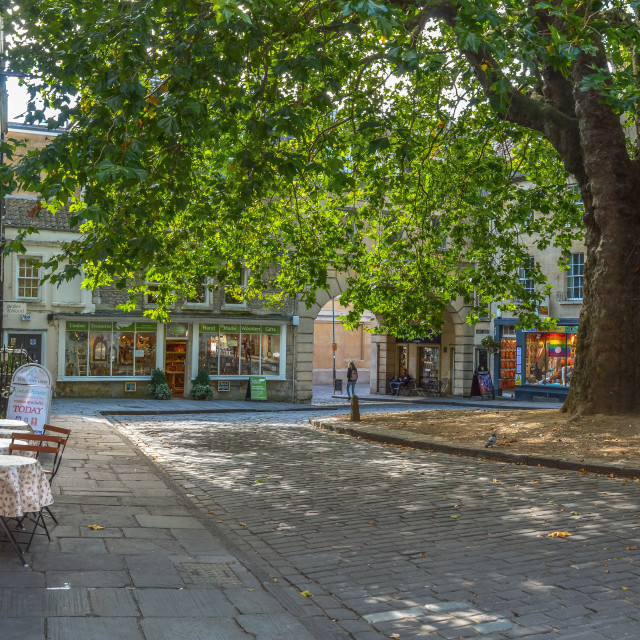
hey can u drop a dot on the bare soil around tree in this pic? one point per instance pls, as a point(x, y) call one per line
point(544, 432)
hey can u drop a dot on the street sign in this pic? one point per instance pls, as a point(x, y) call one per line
point(15, 308)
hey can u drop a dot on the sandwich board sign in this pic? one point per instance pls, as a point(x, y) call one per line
point(30, 396)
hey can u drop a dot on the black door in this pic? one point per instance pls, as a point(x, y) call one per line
point(30, 342)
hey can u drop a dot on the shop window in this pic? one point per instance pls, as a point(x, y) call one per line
point(208, 352)
point(550, 358)
point(270, 359)
point(250, 355)
point(429, 366)
point(575, 276)
point(110, 349)
point(229, 351)
point(402, 360)
point(28, 281)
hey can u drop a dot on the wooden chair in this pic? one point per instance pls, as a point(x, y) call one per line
point(28, 443)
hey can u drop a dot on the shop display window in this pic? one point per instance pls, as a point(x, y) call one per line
point(245, 350)
point(402, 360)
point(428, 358)
point(549, 358)
point(107, 349)
point(75, 351)
point(507, 380)
point(270, 358)
point(250, 354)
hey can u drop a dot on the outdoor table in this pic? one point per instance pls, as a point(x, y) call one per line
point(15, 425)
point(7, 432)
point(24, 488)
point(4, 449)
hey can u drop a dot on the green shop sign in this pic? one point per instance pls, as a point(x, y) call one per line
point(146, 326)
point(229, 328)
point(272, 329)
point(121, 326)
point(209, 328)
point(100, 326)
point(77, 326)
point(177, 330)
point(250, 328)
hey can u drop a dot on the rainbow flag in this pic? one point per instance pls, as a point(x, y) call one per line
point(557, 345)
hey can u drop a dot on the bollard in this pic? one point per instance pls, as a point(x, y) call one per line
point(354, 416)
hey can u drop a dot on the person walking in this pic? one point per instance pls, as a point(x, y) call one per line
point(352, 376)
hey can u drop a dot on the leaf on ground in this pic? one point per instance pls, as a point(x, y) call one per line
point(454, 517)
point(95, 527)
point(634, 548)
point(306, 594)
point(558, 534)
point(242, 524)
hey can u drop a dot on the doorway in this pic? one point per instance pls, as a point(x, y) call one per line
point(175, 365)
point(30, 342)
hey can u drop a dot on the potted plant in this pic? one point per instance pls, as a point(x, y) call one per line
point(158, 387)
point(491, 344)
point(201, 389)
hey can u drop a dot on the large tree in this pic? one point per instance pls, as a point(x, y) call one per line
point(418, 146)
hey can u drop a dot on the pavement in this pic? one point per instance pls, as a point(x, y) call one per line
point(173, 559)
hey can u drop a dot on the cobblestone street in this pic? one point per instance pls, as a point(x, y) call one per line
point(394, 542)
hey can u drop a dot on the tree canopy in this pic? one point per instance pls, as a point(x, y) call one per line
point(386, 140)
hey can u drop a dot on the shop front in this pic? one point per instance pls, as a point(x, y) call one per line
point(537, 364)
point(115, 358)
point(420, 358)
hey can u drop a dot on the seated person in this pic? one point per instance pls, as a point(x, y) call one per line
point(396, 383)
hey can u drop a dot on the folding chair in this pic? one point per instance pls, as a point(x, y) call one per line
point(52, 445)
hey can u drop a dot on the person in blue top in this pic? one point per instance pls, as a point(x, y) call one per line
point(352, 376)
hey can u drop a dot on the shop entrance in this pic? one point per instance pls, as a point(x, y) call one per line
point(174, 365)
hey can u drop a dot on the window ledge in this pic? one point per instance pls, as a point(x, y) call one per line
point(571, 301)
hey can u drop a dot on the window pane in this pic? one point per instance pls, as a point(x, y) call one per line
point(28, 279)
point(575, 276)
point(145, 354)
point(229, 343)
point(428, 370)
point(99, 353)
point(123, 353)
point(557, 358)
point(208, 353)
point(536, 360)
point(250, 363)
point(270, 355)
point(75, 353)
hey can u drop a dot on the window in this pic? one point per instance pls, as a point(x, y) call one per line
point(550, 357)
point(240, 349)
point(201, 297)
point(575, 276)
point(28, 279)
point(524, 274)
point(240, 279)
point(110, 348)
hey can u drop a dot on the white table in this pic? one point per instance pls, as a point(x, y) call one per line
point(24, 488)
point(4, 449)
point(14, 425)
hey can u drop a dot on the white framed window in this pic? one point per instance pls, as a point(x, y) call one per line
point(28, 278)
point(201, 297)
point(524, 274)
point(575, 276)
point(231, 300)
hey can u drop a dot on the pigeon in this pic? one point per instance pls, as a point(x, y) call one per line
point(493, 438)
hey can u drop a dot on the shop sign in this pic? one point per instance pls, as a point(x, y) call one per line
point(229, 328)
point(249, 328)
point(273, 329)
point(30, 397)
point(100, 326)
point(223, 385)
point(121, 326)
point(146, 326)
point(177, 330)
point(567, 329)
point(258, 388)
point(209, 328)
point(77, 326)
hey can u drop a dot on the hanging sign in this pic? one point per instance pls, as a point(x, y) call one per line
point(30, 397)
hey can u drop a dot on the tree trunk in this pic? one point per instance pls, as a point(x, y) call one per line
point(606, 377)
